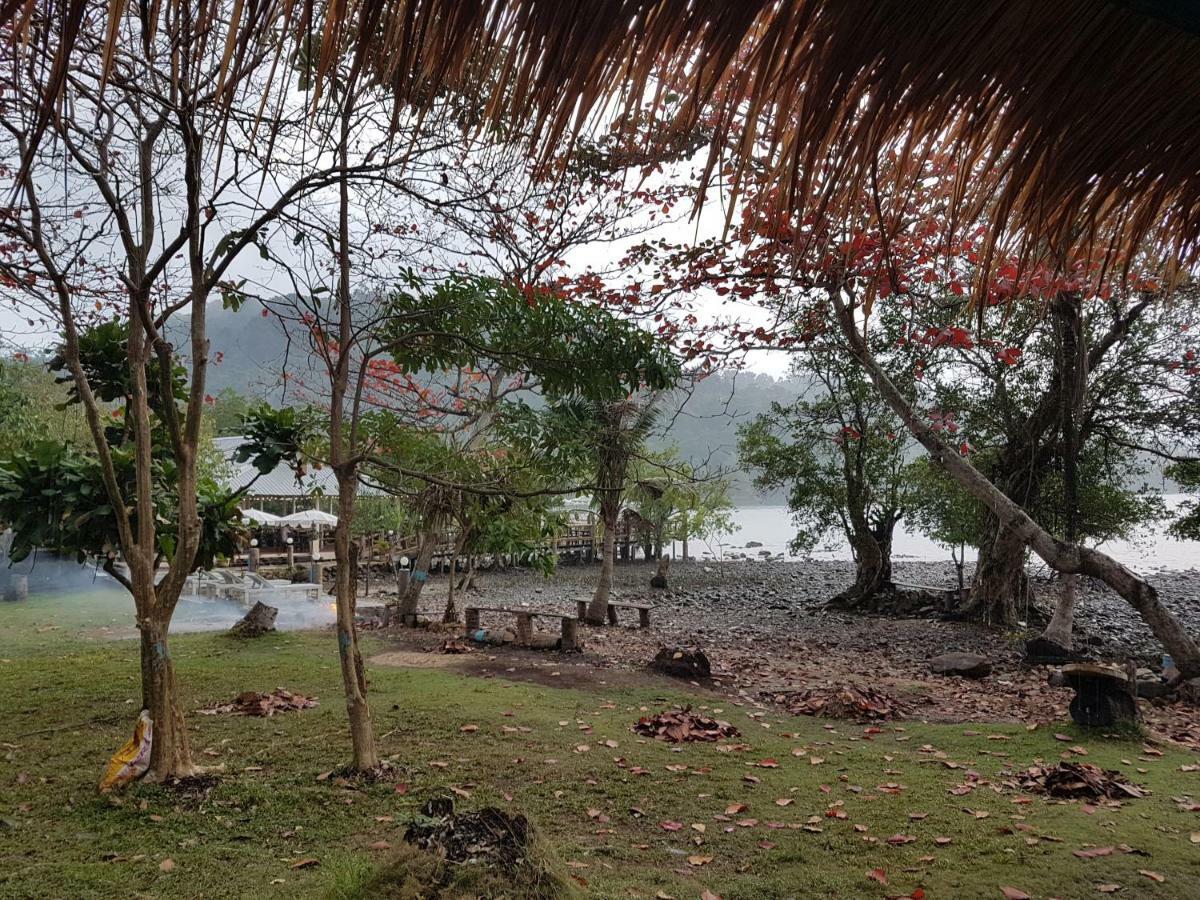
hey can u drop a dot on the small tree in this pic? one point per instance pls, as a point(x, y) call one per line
point(841, 453)
point(611, 434)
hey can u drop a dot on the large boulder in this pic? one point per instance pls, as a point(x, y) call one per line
point(962, 665)
point(682, 662)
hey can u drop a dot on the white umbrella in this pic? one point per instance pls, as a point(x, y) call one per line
point(258, 517)
point(307, 518)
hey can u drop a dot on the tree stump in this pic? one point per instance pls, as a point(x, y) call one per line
point(570, 635)
point(258, 621)
point(680, 662)
point(659, 581)
point(524, 629)
point(1104, 695)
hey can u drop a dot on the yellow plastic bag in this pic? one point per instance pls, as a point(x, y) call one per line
point(133, 759)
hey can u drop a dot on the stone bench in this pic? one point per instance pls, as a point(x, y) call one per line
point(642, 608)
point(949, 594)
point(570, 628)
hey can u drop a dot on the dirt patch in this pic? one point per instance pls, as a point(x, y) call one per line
point(417, 659)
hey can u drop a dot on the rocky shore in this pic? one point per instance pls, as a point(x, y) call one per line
point(787, 599)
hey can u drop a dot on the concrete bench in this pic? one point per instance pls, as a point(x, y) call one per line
point(642, 608)
point(525, 617)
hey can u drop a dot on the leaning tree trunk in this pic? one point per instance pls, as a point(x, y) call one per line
point(1059, 555)
point(597, 611)
point(354, 673)
point(170, 755)
point(419, 576)
point(1000, 588)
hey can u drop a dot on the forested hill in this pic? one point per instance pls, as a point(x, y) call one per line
point(250, 351)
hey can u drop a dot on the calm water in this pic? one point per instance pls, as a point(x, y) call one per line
point(772, 527)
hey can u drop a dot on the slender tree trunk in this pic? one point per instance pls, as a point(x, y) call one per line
point(354, 674)
point(170, 755)
point(1000, 589)
point(343, 447)
point(451, 613)
point(1056, 640)
point(597, 611)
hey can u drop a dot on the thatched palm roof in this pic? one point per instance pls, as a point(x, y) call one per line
point(1072, 122)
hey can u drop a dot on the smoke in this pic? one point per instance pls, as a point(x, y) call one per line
point(96, 598)
point(296, 612)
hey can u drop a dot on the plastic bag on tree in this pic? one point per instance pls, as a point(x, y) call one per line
point(133, 759)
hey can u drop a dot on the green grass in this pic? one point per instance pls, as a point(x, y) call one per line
point(61, 839)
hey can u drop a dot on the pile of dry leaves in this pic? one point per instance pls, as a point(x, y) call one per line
point(254, 703)
point(682, 725)
point(489, 836)
point(846, 701)
point(1078, 780)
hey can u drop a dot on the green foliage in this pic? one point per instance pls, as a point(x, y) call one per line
point(275, 436)
point(568, 348)
point(942, 510)
point(229, 412)
point(679, 502)
point(1187, 525)
point(104, 357)
point(838, 449)
point(32, 406)
point(53, 496)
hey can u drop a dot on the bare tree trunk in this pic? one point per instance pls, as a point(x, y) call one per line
point(170, 754)
point(1059, 555)
point(869, 576)
point(420, 573)
point(451, 613)
point(597, 611)
point(354, 674)
point(343, 449)
point(1057, 637)
point(1000, 588)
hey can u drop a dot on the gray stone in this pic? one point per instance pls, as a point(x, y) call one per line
point(963, 665)
point(1151, 688)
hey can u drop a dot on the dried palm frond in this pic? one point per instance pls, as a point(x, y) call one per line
point(1071, 125)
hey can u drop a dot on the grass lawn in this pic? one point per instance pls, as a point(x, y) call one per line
point(566, 758)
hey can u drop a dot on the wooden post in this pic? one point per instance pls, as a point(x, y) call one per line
point(643, 617)
point(581, 609)
point(472, 619)
point(570, 634)
point(612, 615)
point(252, 560)
point(524, 629)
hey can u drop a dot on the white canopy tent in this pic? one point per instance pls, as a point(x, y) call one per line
point(258, 517)
point(309, 518)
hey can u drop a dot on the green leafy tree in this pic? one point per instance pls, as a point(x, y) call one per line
point(841, 454)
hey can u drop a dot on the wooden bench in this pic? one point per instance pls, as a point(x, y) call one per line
point(525, 617)
point(642, 608)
